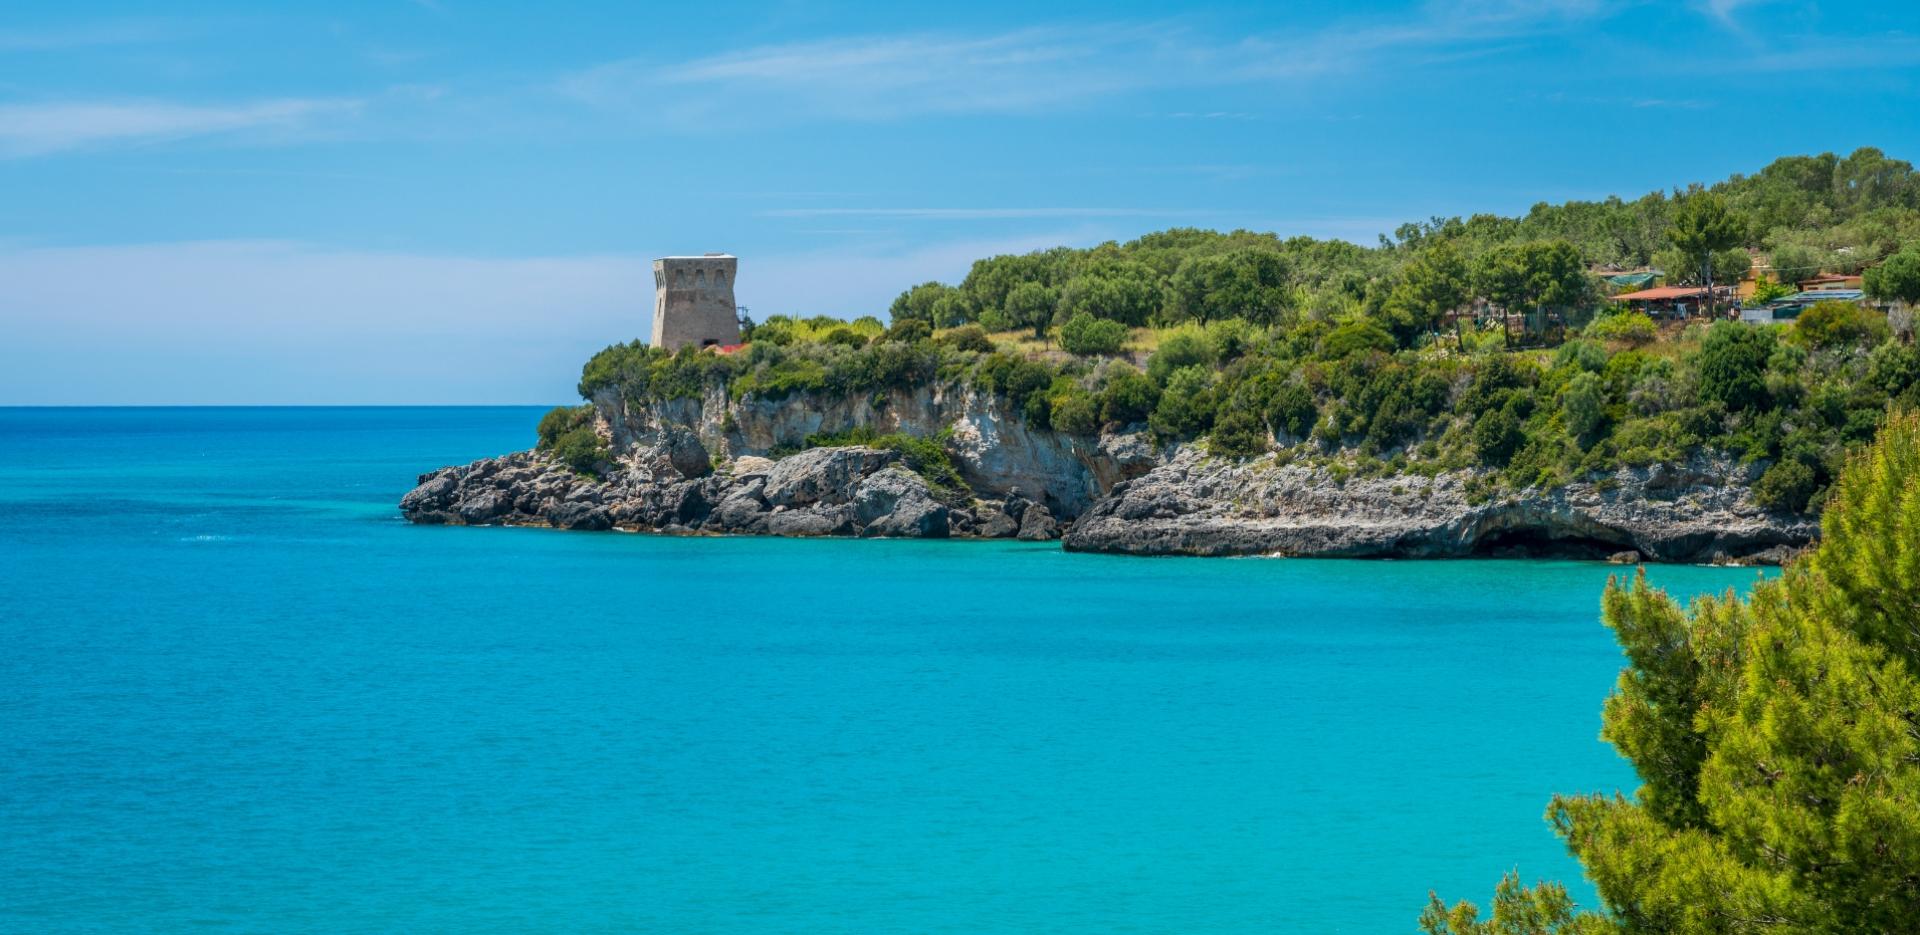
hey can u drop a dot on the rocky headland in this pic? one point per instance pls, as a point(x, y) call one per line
point(707, 465)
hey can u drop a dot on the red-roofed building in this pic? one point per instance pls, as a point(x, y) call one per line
point(1673, 301)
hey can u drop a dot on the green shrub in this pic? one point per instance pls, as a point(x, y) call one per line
point(1356, 337)
point(968, 338)
point(1076, 414)
point(559, 421)
point(1631, 328)
point(1830, 324)
point(1086, 335)
point(1787, 485)
point(581, 450)
point(1128, 397)
point(1238, 433)
point(1292, 410)
point(1496, 436)
point(1186, 407)
point(1733, 361)
point(1184, 347)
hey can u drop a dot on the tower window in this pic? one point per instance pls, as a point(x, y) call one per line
point(700, 277)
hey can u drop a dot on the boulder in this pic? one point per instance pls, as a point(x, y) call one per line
point(822, 475)
point(895, 501)
point(748, 466)
point(820, 521)
point(685, 453)
point(580, 515)
point(484, 507)
point(1037, 524)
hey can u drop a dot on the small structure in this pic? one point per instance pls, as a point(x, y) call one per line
point(1829, 282)
point(693, 301)
point(1672, 301)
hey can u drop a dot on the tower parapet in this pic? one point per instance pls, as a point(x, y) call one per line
point(693, 301)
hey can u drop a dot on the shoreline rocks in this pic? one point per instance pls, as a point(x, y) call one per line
point(700, 467)
point(1698, 512)
point(840, 491)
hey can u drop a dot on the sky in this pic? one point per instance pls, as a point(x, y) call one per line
point(454, 202)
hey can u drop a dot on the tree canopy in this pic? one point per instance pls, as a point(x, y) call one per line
point(1777, 740)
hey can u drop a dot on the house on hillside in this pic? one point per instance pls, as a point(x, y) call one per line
point(1833, 282)
point(1674, 301)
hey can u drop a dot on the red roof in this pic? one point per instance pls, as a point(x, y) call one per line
point(1662, 292)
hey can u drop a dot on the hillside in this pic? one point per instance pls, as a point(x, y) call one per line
point(1277, 385)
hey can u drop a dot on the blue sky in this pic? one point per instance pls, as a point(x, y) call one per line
point(455, 202)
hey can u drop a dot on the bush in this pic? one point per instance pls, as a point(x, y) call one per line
point(559, 421)
point(1085, 335)
point(1787, 485)
point(581, 450)
point(1356, 337)
point(1496, 436)
point(1625, 327)
point(1292, 410)
point(1238, 433)
point(1733, 363)
point(968, 338)
point(1075, 414)
point(1128, 396)
point(1186, 408)
point(1830, 324)
point(1184, 347)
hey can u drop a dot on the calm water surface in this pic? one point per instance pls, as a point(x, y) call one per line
point(238, 694)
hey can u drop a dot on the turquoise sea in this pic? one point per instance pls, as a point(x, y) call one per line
point(238, 694)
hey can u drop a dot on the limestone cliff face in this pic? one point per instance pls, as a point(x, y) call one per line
point(699, 465)
point(995, 449)
point(1696, 512)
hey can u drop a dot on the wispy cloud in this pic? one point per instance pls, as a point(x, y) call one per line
point(111, 33)
point(281, 322)
point(882, 77)
point(981, 214)
point(41, 128)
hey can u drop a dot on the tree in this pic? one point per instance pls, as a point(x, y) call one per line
point(1831, 324)
point(1703, 225)
point(1084, 334)
point(1896, 280)
point(1248, 283)
point(1186, 408)
point(1123, 291)
point(1775, 738)
point(1733, 365)
point(1030, 305)
point(1435, 281)
point(919, 303)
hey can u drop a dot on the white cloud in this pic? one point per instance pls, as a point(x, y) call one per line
point(882, 77)
point(41, 128)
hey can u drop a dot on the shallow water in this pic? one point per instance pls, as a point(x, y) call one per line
point(239, 694)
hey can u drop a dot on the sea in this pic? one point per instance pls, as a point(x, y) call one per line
point(239, 694)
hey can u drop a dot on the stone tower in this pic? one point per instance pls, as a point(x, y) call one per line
point(693, 301)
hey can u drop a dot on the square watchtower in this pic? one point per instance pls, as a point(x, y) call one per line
point(693, 301)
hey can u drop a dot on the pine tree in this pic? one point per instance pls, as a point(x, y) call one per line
point(1777, 739)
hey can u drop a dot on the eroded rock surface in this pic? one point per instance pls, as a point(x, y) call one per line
point(1697, 512)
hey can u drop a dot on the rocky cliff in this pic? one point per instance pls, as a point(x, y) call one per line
point(700, 465)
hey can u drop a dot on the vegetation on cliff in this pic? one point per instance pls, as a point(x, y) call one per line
point(1328, 350)
point(1777, 739)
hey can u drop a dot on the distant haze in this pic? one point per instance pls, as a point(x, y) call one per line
point(444, 202)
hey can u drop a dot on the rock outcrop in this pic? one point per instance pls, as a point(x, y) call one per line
point(1697, 512)
point(702, 465)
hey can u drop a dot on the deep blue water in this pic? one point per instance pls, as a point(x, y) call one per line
point(238, 694)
